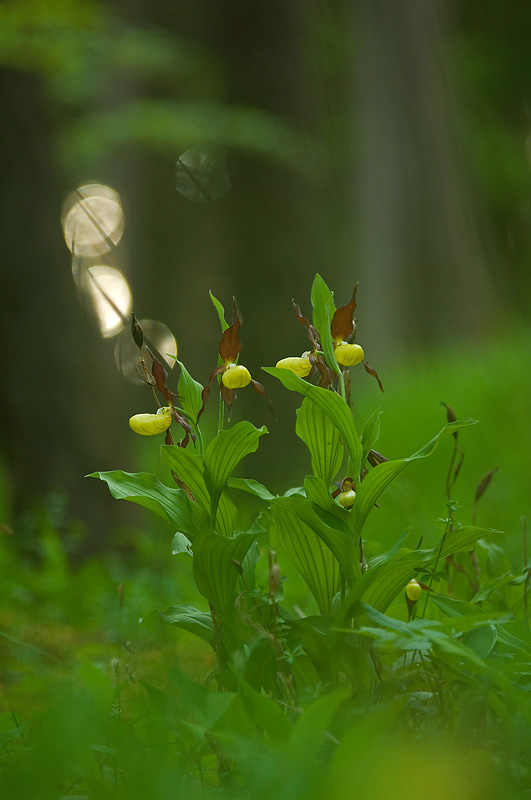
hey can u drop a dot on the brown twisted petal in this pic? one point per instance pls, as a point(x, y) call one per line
point(313, 333)
point(230, 344)
point(374, 458)
point(374, 374)
point(261, 390)
point(160, 375)
point(342, 325)
point(205, 394)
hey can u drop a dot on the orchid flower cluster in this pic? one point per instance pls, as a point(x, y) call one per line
point(232, 375)
point(347, 354)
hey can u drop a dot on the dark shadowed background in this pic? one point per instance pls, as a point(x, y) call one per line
point(382, 141)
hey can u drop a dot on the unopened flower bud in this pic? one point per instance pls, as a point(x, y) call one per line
point(300, 366)
point(346, 499)
point(413, 590)
point(236, 376)
point(348, 355)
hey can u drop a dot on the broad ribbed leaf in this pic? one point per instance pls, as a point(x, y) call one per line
point(332, 531)
point(251, 486)
point(301, 543)
point(189, 394)
point(181, 544)
point(189, 467)
point(264, 712)
point(370, 433)
point(457, 608)
point(319, 493)
point(322, 438)
point(204, 706)
point(185, 617)
point(225, 452)
point(225, 515)
point(323, 311)
point(381, 476)
point(312, 725)
point(379, 586)
point(481, 640)
point(214, 570)
point(221, 312)
point(146, 490)
point(331, 404)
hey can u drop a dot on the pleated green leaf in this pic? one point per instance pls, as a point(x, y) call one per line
point(185, 617)
point(146, 490)
point(225, 452)
point(322, 438)
point(323, 311)
point(251, 486)
point(370, 433)
point(264, 712)
point(225, 514)
point(189, 394)
point(221, 311)
point(308, 552)
point(331, 530)
point(380, 585)
point(214, 569)
point(189, 467)
point(381, 476)
point(331, 404)
point(311, 727)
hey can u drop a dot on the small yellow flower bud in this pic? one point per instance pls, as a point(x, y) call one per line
point(346, 499)
point(151, 424)
point(236, 376)
point(348, 355)
point(413, 590)
point(300, 366)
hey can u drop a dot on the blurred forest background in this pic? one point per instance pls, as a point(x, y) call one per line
point(385, 141)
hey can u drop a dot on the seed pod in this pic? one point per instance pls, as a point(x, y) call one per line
point(151, 424)
point(348, 355)
point(300, 366)
point(413, 590)
point(236, 376)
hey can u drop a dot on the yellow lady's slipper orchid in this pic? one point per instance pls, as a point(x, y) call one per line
point(345, 494)
point(151, 424)
point(300, 366)
point(348, 355)
point(232, 375)
point(236, 376)
point(346, 499)
point(413, 590)
point(342, 330)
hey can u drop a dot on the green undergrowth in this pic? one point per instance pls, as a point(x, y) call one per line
point(329, 682)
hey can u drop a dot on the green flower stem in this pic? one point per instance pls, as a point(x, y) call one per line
point(342, 386)
point(221, 417)
point(448, 525)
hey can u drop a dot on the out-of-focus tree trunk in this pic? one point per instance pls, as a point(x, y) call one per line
point(56, 385)
point(421, 260)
